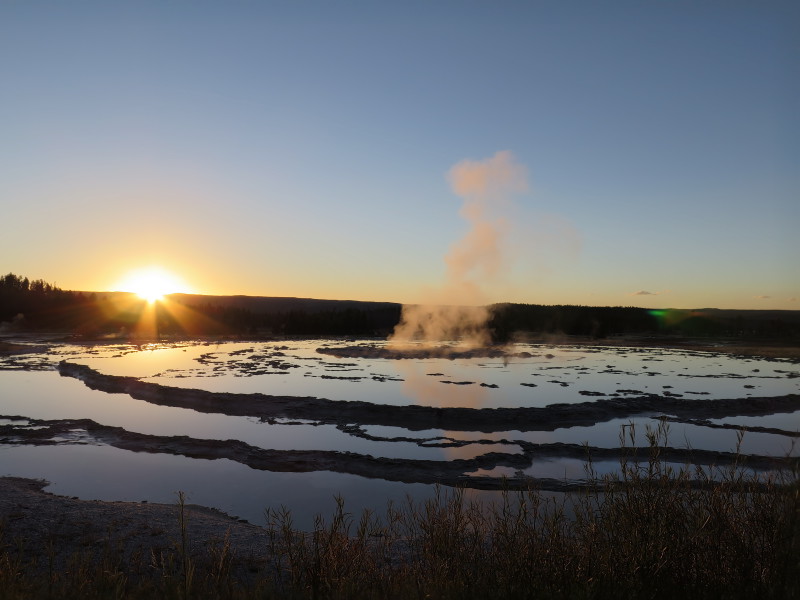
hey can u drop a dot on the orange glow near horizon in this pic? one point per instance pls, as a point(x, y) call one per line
point(152, 284)
point(139, 318)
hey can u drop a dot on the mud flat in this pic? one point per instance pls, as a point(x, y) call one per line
point(770, 349)
point(354, 418)
point(421, 352)
point(507, 459)
point(417, 418)
point(453, 472)
point(68, 527)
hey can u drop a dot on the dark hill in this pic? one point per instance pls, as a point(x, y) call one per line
point(272, 304)
point(37, 305)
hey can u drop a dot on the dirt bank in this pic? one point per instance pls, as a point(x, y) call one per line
point(47, 527)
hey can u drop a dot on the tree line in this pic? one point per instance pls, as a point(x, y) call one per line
point(35, 305)
point(603, 321)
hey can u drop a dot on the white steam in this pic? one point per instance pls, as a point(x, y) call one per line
point(457, 311)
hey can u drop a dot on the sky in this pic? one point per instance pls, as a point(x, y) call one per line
point(313, 149)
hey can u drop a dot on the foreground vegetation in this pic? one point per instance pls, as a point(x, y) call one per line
point(652, 530)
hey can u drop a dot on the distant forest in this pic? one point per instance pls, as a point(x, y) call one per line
point(37, 306)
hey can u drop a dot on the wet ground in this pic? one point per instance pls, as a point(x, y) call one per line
point(242, 426)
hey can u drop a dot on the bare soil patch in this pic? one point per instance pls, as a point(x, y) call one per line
point(46, 527)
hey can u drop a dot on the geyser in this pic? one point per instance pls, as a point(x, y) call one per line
point(457, 311)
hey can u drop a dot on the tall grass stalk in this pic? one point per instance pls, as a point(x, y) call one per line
point(187, 565)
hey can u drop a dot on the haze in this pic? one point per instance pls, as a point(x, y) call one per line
point(308, 149)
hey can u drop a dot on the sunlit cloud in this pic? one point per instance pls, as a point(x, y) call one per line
point(763, 297)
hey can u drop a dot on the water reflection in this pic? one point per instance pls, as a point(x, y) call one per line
point(429, 387)
point(84, 467)
point(103, 473)
point(551, 375)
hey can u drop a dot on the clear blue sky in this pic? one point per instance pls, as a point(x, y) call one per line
point(302, 148)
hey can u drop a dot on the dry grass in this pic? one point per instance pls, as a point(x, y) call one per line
point(652, 530)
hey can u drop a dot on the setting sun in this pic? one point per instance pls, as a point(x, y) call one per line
point(152, 284)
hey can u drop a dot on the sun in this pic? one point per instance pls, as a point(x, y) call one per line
point(152, 284)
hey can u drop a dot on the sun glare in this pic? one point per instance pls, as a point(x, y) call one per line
point(152, 284)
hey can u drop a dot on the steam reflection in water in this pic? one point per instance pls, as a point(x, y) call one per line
point(85, 468)
point(552, 375)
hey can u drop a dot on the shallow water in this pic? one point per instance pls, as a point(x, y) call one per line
point(551, 375)
point(104, 473)
point(80, 465)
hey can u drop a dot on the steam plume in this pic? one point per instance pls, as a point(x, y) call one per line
point(456, 311)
